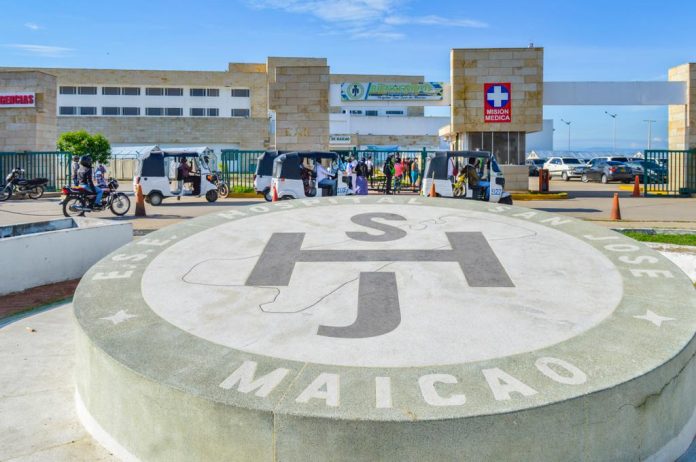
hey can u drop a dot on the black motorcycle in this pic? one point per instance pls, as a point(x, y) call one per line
point(16, 184)
point(76, 201)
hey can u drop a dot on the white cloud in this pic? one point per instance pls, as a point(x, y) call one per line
point(32, 26)
point(45, 51)
point(434, 20)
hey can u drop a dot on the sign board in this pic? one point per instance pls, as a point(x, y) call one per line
point(17, 99)
point(339, 139)
point(497, 102)
point(379, 91)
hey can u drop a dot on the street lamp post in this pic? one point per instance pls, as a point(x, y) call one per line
point(568, 124)
point(650, 122)
point(613, 116)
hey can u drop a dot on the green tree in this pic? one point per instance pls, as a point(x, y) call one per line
point(80, 143)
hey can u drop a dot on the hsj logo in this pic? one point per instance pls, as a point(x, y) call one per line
point(353, 91)
point(497, 102)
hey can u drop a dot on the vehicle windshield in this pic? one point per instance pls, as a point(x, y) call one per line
point(571, 160)
point(495, 166)
point(613, 162)
point(620, 159)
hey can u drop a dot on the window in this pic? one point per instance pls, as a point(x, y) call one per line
point(213, 92)
point(213, 112)
point(86, 90)
point(130, 91)
point(240, 93)
point(111, 111)
point(130, 111)
point(395, 112)
point(154, 111)
point(372, 113)
point(111, 90)
point(154, 91)
point(174, 111)
point(67, 110)
point(240, 112)
point(197, 112)
point(174, 91)
point(88, 110)
point(197, 92)
point(68, 90)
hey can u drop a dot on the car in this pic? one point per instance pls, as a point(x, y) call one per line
point(535, 165)
point(656, 173)
point(565, 167)
point(607, 170)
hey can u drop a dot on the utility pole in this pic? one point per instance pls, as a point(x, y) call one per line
point(613, 116)
point(650, 122)
point(568, 124)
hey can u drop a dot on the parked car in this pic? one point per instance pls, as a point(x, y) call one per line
point(535, 165)
point(607, 170)
point(565, 167)
point(656, 172)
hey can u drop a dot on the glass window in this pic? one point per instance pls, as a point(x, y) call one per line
point(240, 93)
point(110, 111)
point(88, 110)
point(154, 111)
point(174, 111)
point(130, 111)
point(87, 90)
point(197, 92)
point(213, 92)
point(174, 91)
point(372, 113)
point(501, 149)
point(131, 91)
point(395, 112)
point(197, 112)
point(240, 112)
point(111, 90)
point(213, 112)
point(154, 91)
point(67, 110)
point(68, 90)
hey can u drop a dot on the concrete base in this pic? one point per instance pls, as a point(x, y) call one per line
point(388, 328)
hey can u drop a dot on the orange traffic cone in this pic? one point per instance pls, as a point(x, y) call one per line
point(636, 187)
point(139, 202)
point(274, 194)
point(432, 193)
point(615, 209)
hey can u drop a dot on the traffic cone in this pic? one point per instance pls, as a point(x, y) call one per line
point(615, 209)
point(139, 202)
point(274, 194)
point(636, 187)
point(432, 193)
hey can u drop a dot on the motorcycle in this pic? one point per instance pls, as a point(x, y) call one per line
point(16, 184)
point(76, 201)
point(222, 188)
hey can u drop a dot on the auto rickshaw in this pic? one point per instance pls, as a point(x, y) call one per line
point(295, 175)
point(264, 173)
point(466, 175)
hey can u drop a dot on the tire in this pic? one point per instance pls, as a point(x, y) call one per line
point(223, 190)
point(212, 195)
point(565, 176)
point(155, 198)
point(5, 193)
point(584, 178)
point(36, 193)
point(72, 202)
point(286, 198)
point(507, 200)
point(605, 180)
point(267, 195)
point(120, 204)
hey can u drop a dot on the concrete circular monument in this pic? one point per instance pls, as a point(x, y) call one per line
point(387, 328)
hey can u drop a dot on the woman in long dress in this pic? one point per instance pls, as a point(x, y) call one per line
point(361, 171)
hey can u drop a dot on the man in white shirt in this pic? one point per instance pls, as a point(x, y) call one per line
point(324, 179)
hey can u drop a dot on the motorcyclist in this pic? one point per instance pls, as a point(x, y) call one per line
point(75, 168)
point(84, 178)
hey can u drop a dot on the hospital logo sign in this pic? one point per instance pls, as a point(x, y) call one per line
point(497, 103)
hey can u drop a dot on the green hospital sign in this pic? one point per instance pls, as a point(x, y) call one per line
point(377, 91)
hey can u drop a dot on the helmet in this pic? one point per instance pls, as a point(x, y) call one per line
point(86, 161)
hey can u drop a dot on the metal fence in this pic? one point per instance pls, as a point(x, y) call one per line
point(669, 172)
point(52, 165)
point(238, 167)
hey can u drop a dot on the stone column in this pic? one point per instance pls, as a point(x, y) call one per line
point(29, 128)
point(682, 118)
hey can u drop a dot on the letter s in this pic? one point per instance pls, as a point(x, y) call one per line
point(391, 233)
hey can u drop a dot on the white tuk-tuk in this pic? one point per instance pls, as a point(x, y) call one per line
point(466, 175)
point(295, 176)
point(156, 173)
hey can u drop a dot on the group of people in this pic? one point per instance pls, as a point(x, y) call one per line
point(84, 176)
point(399, 170)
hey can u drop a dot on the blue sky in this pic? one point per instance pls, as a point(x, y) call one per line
point(588, 40)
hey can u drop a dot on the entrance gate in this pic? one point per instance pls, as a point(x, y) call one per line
point(669, 172)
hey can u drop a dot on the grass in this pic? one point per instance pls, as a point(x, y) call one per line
point(676, 239)
point(243, 189)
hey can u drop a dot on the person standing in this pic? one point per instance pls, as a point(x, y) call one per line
point(398, 174)
point(370, 170)
point(361, 172)
point(388, 170)
point(182, 173)
point(100, 176)
point(414, 173)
